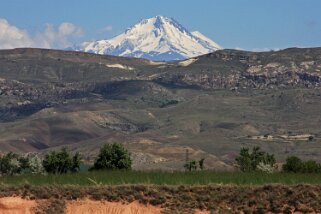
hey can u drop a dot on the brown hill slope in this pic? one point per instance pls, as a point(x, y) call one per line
point(211, 105)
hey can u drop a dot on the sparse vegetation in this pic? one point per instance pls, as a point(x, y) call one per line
point(166, 103)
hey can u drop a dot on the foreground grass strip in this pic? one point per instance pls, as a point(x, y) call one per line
point(161, 178)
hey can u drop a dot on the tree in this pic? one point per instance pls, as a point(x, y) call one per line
point(61, 162)
point(76, 161)
point(244, 160)
point(248, 161)
point(190, 166)
point(292, 164)
point(112, 156)
point(35, 164)
point(311, 166)
point(24, 163)
point(296, 165)
point(201, 163)
point(10, 164)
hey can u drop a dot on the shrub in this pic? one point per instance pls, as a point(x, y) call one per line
point(35, 164)
point(112, 156)
point(296, 165)
point(14, 166)
point(190, 166)
point(76, 161)
point(266, 168)
point(166, 103)
point(61, 162)
point(244, 160)
point(24, 163)
point(10, 164)
point(292, 164)
point(248, 162)
point(201, 163)
point(310, 166)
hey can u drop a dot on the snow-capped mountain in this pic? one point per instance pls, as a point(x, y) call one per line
point(157, 38)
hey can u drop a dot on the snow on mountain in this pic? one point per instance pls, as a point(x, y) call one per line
point(157, 38)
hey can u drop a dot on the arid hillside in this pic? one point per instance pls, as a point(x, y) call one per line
point(210, 105)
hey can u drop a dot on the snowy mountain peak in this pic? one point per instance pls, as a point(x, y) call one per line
point(157, 38)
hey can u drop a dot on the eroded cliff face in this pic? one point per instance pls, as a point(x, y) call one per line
point(231, 69)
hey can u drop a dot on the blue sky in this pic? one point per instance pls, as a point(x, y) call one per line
point(246, 24)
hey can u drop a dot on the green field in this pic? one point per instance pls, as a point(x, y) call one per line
point(161, 178)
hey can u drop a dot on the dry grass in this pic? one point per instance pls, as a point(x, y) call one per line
point(184, 199)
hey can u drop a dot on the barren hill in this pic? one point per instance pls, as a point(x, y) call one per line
point(211, 105)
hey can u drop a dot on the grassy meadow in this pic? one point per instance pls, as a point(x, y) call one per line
point(161, 178)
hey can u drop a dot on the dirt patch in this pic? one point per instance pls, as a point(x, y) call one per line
point(17, 205)
point(249, 129)
point(87, 206)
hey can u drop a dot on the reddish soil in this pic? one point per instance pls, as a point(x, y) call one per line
point(17, 205)
point(87, 206)
point(136, 199)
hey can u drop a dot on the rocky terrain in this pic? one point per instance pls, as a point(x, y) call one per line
point(209, 105)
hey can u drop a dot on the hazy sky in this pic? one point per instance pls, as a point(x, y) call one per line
point(246, 24)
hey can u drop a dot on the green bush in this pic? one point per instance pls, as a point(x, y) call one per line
point(24, 163)
point(311, 166)
point(9, 164)
point(190, 166)
point(76, 162)
point(112, 156)
point(61, 162)
point(296, 165)
point(12, 163)
point(248, 161)
point(266, 168)
point(35, 164)
point(166, 103)
point(292, 164)
point(201, 163)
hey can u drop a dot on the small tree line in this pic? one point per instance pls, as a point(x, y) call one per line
point(12, 163)
point(115, 156)
point(257, 160)
point(296, 165)
point(110, 157)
